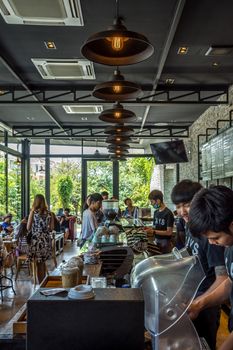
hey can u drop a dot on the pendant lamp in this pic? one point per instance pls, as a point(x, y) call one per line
point(118, 146)
point(117, 46)
point(117, 115)
point(117, 139)
point(117, 89)
point(119, 129)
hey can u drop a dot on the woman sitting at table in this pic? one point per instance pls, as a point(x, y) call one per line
point(130, 210)
point(7, 225)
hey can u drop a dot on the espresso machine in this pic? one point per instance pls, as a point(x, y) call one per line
point(110, 208)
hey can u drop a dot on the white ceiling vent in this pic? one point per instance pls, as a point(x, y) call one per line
point(83, 109)
point(42, 12)
point(64, 69)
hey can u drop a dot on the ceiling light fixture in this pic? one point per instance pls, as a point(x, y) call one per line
point(119, 130)
point(117, 115)
point(50, 45)
point(115, 139)
point(117, 45)
point(183, 50)
point(117, 89)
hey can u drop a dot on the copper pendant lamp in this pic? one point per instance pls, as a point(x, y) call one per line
point(117, 46)
point(117, 115)
point(119, 129)
point(114, 149)
point(118, 89)
point(117, 157)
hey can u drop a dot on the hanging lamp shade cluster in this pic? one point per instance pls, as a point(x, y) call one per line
point(117, 115)
point(117, 89)
point(117, 46)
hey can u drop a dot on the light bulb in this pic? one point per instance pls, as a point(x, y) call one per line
point(118, 151)
point(117, 43)
point(118, 139)
point(117, 89)
point(118, 130)
point(117, 114)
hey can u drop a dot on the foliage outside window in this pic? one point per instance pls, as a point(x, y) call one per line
point(135, 177)
point(99, 177)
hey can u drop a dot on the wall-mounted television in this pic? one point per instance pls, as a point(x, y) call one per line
point(169, 152)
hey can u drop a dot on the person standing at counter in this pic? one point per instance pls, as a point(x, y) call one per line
point(211, 217)
point(89, 221)
point(211, 258)
point(163, 222)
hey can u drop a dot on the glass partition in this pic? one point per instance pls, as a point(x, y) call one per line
point(37, 177)
point(2, 185)
point(99, 177)
point(14, 187)
point(135, 176)
point(67, 172)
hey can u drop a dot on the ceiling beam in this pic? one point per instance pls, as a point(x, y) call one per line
point(166, 48)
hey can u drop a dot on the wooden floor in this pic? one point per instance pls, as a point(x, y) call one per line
point(24, 289)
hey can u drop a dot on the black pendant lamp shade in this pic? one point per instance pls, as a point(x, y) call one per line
point(117, 157)
point(113, 149)
point(117, 139)
point(117, 115)
point(119, 130)
point(122, 146)
point(118, 89)
point(117, 46)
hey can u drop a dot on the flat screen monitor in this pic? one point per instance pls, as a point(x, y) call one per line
point(169, 152)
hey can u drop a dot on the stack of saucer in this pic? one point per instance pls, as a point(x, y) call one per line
point(81, 292)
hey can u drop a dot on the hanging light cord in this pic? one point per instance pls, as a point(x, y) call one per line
point(117, 9)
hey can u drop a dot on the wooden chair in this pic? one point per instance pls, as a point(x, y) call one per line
point(22, 259)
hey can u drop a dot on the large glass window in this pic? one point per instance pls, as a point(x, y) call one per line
point(37, 177)
point(99, 177)
point(2, 185)
point(14, 187)
point(135, 176)
point(65, 184)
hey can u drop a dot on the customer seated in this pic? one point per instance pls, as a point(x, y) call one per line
point(7, 226)
point(130, 210)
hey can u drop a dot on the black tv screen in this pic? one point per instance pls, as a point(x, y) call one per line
point(169, 152)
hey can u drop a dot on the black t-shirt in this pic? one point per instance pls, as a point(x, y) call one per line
point(162, 220)
point(229, 267)
point(210, 256)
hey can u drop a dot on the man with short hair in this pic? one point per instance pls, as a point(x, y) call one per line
point(211, 216)
point(163, 222)
point(211, 258)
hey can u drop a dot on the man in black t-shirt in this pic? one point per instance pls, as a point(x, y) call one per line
point(211, 258)
point(211, 216)
point(163, 222)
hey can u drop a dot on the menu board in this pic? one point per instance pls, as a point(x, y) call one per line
point(206, 161)
point(228, 152)
point(217, 157)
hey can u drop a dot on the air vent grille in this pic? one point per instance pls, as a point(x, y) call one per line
point(65, 69)
point(62, 12)
point(83, 109)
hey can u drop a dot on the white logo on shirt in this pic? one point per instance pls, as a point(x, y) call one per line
point(159, 221)
point(193, 245)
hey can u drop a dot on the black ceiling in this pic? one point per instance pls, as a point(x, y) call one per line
point(168, 24)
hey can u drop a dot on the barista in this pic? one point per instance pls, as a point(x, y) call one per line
point(163, 222)
point(211, 258)
point(211, 217)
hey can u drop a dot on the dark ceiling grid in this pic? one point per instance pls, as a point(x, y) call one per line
point(163, 57)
